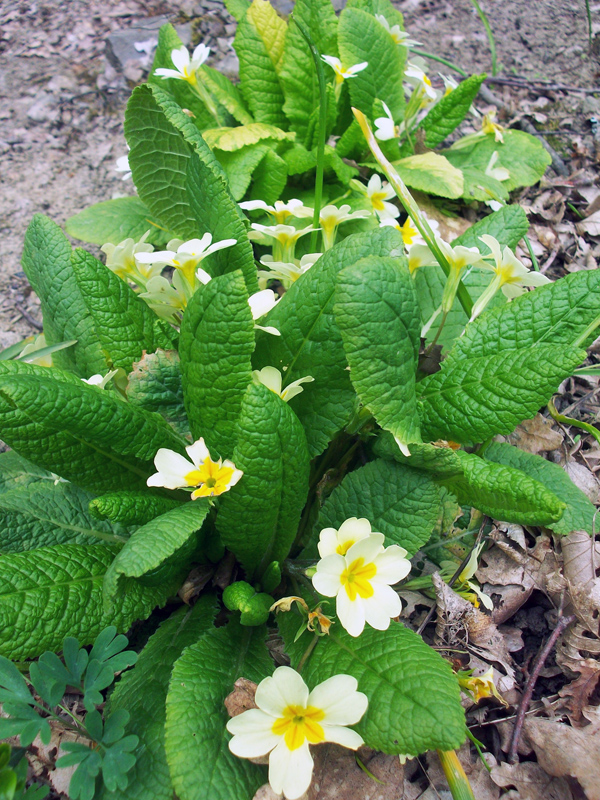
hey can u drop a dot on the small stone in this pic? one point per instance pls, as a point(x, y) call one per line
point(231, 28)
point(121, 45)
point(44, 108)
point(229, 66)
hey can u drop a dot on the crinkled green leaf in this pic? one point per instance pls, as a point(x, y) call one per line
point(414, 699)
point(81, 432)
point(216, 345)
point(180, 180)
point(46, 514)
point(447, 115)
point(16, 472)
point(379, 319)
point(382, 7)
point(310, 341)
point(131, 508)
point(239, 166)
point(398, 501)
point(115, 220)
point(431, 173)
point(259, 41)
point(270, 178)
point(198, 755)
point(143, 692)
point(156, 385)
point(55, 592)
point(362, 38)
point(153, 544)
point(237, 8)
point(521, 154)
point(258, 517)
point(503, 492)
point(227, 94)
point(441, 461)
point(124, 323)
point(508, 225)
point(232, 139)
point(47, 264)
point(579, 512)
point(478, 185)
point(298, 74)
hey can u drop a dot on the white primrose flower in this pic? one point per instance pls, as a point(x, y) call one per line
point(121, 259)
point(490, 126)
point(418, 79)
point(260, 304)
point(289, 272)
point(343, 73)
point(378, 193)
point(361, 582)
point(498, 173)
point(289, 718)
point(185, 67)
point(330, 217)
point(123, 166)
point(464, 582)
point(168, 300)
point(511, 276)
point(185, 256)
point(449, 84)
point(208, 478)
point(339, 541)
point(386, 127)
point(280, 212)
point(282, 237)
point(409, 231)
point(396, 32)
point(36, 343)
point(271, 378)
point(419, 255)
point(459, 258)
point(99, 380)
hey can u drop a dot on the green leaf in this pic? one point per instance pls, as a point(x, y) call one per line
point(398, 501)
point(231, 139)
point(447, 115)
point(156, 385)
point(199, 759)
point(259, 44)
point(143, 692)
point(310, 341)
point(378, 315)
point(579, 512)
point(240, 165)
point(298, 75)
point(153, 544)
point(47, 264)
point(503, 492)
point(362, 38)
point(16, 472)
point(237, 8)
point(57, 591)
point(441, 461)
point(521, 154)
point(480, 186)
point(414, 699)
point(270, 178)
point(431, 173)
point(45, 514)
point(508, 225)
point(216, 344)
point(258, 518)
point(382, 7)
point(227, 94)
point(78, 431)
point(131, 508)
point(180, 180)
point(115, 220)
point(124, 323)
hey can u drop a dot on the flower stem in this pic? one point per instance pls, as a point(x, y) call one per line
point(307, 653)
point(411, 208)
point(490, 35)
point(455, 775)
point(576, 423)
point(316, 56)
point(443, 61)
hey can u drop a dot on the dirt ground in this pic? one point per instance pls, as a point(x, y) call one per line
point(61, 102)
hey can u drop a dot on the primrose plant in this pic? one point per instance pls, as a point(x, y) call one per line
point(243, 417)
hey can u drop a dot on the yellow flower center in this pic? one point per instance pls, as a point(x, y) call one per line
point(409, 232)
point(377, 200)
point(356, 579)
point(342, 549)
point(299, 724)
point(211, 478)
point(426, 80)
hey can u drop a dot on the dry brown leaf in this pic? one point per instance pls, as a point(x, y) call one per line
point(577, 694)
point(536, 435)
point(195, 582)
point(580, 557)
point(590, 225)
point(563, 751)
point(242, 697)
point(530, 782)
point(584, 479)
point(42, 757)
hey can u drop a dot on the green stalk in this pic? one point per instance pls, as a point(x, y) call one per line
point(534, 262)
point(490, 35)
point(443, 61)
point(589, 22)
point(411, 208)
point(316, 56)
point(455, 775)
point(576, 423)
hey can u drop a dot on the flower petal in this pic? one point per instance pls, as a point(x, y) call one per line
point(198, 452)
point(172, 468)
point(338, 698)
point(350, 614)
point(368, 548)
point(382, 606)
point(344, 736)
point(253, 734)
point(326, 580)
point(180, 58)
point(328, 542)
point(290, 771)
point(392, 565)
point(284, 688)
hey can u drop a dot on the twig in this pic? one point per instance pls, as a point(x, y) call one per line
point(454, 578)
point(524, 83)
point(562, 623)
point(31, 320)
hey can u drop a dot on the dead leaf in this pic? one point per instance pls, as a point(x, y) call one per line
point(584, 479)
point(530, 782)
point(536, 435)
point(563, 751)
point(195, 582)
point(242, 697)
point(577, 694)
point(590, 225)
point(42, 757)
point(580, 556)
